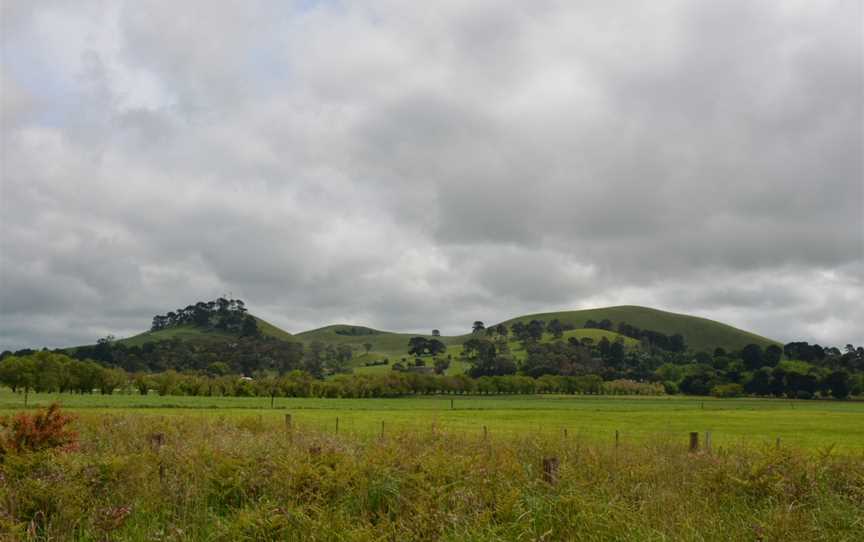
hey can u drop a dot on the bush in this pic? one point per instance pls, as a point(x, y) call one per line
point(44, 430)
point(727, 390)
point(631, 387)
point(671, 388)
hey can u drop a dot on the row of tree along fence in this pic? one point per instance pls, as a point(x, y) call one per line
point(51, 372)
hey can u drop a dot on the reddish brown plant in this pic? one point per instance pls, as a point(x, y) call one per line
point(46, 429)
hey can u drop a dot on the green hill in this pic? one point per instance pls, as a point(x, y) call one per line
point(385, 342)
point(394, 346)
point(188, 332)
point(699, 333)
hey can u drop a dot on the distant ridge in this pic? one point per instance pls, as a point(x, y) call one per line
point(699, 333)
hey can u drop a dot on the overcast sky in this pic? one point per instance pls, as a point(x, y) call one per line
point(410, 165)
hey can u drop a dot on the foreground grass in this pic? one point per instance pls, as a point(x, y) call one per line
point(249, 478)
point(814, 425)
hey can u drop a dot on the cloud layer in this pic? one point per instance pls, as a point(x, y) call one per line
point(416, 166)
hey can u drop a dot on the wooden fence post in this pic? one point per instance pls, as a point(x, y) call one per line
point(485, 433)
point(778, 443)
point(157, 440)
point(289, 428)
point(694, 442)
point(617, 438)
point(708, 441)
point(451, 404)
point(550, 470)
point(337, 425)
point(382, 430)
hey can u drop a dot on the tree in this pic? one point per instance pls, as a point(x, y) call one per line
point(477, 327)
point(421, 346)
point(760, 382)
point(142, 383)
point(218, 368)
point(520, 331)
point(556, 328)
point(337, 361)
point(535, 330)
point(486, 361)
point(752, 356)
point(838, 384)
point(604, 345)
point(417, 345)
point(367, 347)
point(112, 379)
point(166, 383)
point(616, 352)
point(250, 327)
point(19, 373)
point(313, 359)
point(436, 333)
point(702, 357)
point(269, 386)
point(441, 365)
point(435, 347)
point(772, 355)
point(700, 381)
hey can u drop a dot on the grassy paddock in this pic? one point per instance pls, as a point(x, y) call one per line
point(238, 477)
point(814, 425)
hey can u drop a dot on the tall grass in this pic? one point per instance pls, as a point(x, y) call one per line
point(247, 478)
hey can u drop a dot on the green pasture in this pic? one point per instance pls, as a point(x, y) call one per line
point(808, 424)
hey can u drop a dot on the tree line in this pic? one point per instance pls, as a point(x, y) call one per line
point(809, 371)
point(51, 372)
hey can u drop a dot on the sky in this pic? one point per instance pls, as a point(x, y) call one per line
point(419, 165)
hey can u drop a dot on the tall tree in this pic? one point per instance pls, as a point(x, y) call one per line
point(752, 356)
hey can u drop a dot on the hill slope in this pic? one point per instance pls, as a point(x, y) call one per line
point(382, 341)
point(189, 332)
point(699, 333)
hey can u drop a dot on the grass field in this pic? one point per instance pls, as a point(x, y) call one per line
point(807, 424)
point(236, 472)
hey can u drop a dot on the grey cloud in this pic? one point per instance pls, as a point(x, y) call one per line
point(411, 167)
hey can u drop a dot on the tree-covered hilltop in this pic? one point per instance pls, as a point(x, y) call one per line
point(220, 314)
